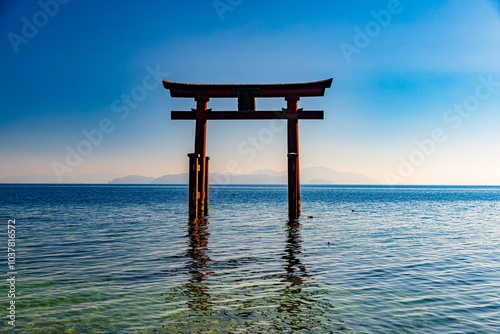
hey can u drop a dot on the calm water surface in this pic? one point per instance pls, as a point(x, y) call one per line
point(125, 259)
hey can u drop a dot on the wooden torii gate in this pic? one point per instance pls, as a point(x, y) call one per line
point(246, 94)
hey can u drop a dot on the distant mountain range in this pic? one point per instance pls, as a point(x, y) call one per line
point(311, 175)
point(133, 179)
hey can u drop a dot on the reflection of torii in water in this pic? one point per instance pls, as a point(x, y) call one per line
point(298, 309)
point(198, 247)
point(198, 242)
point(294, 268)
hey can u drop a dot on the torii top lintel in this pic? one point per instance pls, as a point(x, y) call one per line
point(206, 91)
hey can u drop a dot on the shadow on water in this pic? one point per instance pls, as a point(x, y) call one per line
point(247, 294)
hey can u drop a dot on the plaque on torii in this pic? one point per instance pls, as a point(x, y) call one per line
point(246, 94)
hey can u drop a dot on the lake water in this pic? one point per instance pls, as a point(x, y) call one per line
point(126, 259)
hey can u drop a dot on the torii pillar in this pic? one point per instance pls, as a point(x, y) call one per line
point(200, 148)
point(246, 94)
point(293, 156)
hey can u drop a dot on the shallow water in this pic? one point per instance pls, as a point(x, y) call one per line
point(125, 259)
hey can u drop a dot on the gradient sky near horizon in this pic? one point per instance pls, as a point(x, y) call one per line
point(398, 88)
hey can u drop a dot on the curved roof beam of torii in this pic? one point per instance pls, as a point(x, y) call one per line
point(316, 88)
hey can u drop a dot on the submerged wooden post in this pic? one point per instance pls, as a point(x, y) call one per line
point(206, 186)
point(193, 183)
point(293, 157)
point(293, 186)
point(200, 148)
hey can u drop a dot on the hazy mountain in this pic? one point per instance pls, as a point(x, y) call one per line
point(321, 175)
point(132, 179)
point(269, 172)
point(223, 178)
point(103, 177)
point(311, 175)
point(307, 175)
point(320, 181)
point(172, 179)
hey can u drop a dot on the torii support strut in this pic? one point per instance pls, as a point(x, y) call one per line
point(246, 94)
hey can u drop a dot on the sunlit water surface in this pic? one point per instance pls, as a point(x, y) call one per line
point(126, 259)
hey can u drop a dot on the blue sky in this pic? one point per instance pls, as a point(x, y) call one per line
point(397, 89)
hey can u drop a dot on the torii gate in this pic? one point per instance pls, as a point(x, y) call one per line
point(246, 94)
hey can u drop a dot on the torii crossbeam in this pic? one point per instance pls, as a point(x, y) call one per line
point(246, 94)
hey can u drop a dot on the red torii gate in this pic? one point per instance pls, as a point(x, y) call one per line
point(246, 94)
